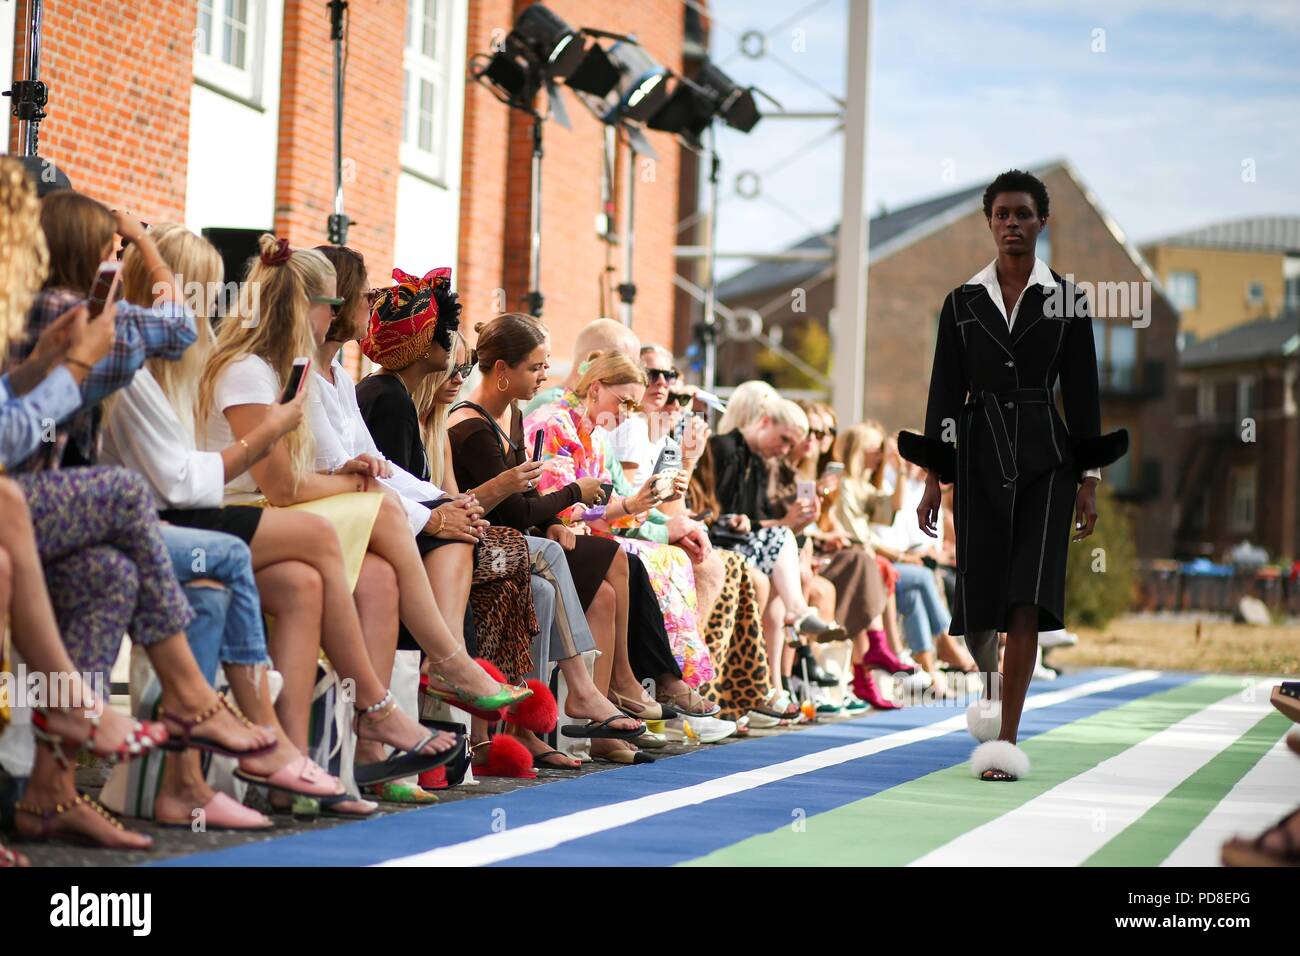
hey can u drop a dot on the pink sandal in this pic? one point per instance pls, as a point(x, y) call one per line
point(302, 777)
point(223, 813)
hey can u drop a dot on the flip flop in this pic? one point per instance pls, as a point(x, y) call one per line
point(403, 763)
point(189, 741)
point(602, 729)
point(539, 761)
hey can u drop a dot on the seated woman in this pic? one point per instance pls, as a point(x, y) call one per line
point(410, 326)
point(767, 430)
point(925, 617)
point(283, 312)
point(149, 428)
point(861, 594)
point(574, 445)
point(569, 635)
point(487, 442)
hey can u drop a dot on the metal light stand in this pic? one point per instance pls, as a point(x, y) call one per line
point(534, 296)
point(709, 331)
point(30, 95)
point(627, 288)
point(337, 224)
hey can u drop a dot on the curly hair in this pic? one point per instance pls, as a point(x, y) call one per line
point(24, 256)
point(1017, 181)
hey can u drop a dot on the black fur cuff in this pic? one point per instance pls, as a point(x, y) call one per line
point(1100, 451)
point(931, 454)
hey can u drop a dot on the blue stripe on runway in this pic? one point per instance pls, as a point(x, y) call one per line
point(368, 842)
point(694, 831)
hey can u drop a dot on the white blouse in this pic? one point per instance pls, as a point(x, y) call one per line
point(341, 435)
point(143, 432)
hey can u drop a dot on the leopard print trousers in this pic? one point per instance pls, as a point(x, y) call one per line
point(734, 636)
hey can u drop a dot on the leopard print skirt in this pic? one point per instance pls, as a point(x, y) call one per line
point(734, 636)
point(502, 598)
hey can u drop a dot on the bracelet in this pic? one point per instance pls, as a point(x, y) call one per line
point(442, 521)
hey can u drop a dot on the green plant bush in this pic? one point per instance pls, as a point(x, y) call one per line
point(1094, 596)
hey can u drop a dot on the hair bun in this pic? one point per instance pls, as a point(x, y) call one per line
point(479, 327)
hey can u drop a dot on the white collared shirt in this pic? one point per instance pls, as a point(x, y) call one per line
point(988, 278)
point(1041, 275)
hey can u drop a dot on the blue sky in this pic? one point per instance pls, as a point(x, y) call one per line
point(1158, 124)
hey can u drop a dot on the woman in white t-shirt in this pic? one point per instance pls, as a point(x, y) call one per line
point(284, 312)
point(149, 428)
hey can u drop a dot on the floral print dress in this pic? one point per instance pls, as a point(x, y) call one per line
point(571, 450)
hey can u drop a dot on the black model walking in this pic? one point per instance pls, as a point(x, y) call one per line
point(1019, 472)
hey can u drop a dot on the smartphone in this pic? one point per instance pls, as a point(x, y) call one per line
point(102, 287)
point(537, 445)
point(607, 489)
point(291, 388)
point(833, 468)
point(670, 459)
point(806, 489)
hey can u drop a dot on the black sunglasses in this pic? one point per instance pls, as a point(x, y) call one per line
point(682, 399)
point(462, 370)
point(669, 375)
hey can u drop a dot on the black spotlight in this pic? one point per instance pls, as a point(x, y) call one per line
point(642, 86)
point(697, 101)
point(558, 48)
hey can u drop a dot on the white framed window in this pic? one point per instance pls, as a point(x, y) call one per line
point(1184, 290)
point(228, 47)
point(1241, 498)
point(1255, 293)
point(1247, 392)
point(427, 78)
point(1205, 401)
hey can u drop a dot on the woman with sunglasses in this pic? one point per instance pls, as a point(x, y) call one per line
point(574, 445)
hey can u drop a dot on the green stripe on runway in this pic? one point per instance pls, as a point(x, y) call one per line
point(901, 824)
point(1159, 831)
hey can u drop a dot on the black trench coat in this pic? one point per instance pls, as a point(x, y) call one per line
point(992, 429)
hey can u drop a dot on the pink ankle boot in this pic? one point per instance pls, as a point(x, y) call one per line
point(880, 654)
point(864, 688)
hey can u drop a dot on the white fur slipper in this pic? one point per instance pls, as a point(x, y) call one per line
point(984, 719)
point(999, 755)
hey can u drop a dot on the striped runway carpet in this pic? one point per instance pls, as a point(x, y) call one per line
point(1130, 768)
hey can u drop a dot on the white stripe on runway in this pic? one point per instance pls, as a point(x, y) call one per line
point(1074, 819)
point(536, 837)
point(1262, 797)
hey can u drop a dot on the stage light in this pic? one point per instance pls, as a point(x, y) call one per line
point(557, 47)
point(697, 101)
point(641, 88)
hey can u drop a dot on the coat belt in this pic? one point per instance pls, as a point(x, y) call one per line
point(993, 404)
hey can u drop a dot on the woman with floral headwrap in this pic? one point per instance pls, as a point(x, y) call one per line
point(283, 312)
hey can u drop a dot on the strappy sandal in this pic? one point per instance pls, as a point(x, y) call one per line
point(190, 741)
point(1239, 852)
point(539, 761)
point(684, 710)
point(141, 739)
point(601, 729)
point(400, 763)
point(47, 817)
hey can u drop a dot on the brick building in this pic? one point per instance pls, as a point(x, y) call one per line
point(1239, 472)
point(919, 252)
point(219, 114)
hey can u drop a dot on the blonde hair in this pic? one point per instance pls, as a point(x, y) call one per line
point(853, 443)
point(195, 262)
point(271, 322)
point(433, 417)
point(745, 405)
point(609, 368)
point(782, 411)
point(24, 257)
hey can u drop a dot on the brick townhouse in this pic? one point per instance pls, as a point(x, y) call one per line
point(219, 114)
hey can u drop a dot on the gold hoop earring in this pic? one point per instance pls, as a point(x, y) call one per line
point(502, 385)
